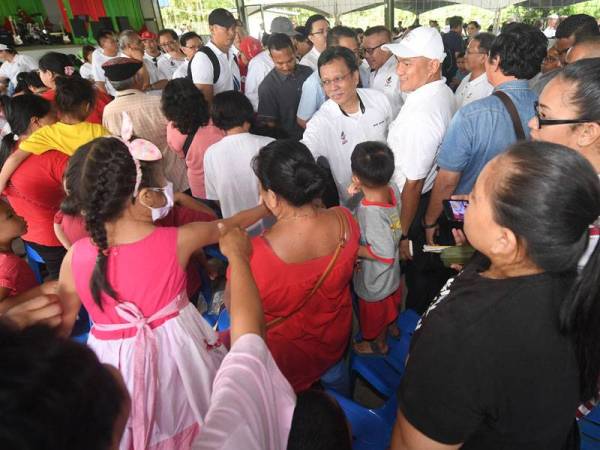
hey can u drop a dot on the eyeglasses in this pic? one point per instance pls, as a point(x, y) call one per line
point(469, 52)
point(193, 47)
point(549, 122)
point(320, 32)
point(168, 43)
point(369, 51)
point(335, 80)
point(550, 59)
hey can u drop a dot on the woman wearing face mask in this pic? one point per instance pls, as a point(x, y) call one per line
point(510, 345)
point(130, 275)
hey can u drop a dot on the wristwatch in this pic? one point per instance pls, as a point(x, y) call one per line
point(403, 237)
point(427, 226)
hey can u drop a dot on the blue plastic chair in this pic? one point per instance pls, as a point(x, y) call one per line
point(337, 378)
point(378, 373)
point(589, 428)
point(35, 261)
point(407, 321)
point(371, 428)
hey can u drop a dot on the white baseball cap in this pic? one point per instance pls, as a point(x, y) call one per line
point(422, 41)
point(553, 16)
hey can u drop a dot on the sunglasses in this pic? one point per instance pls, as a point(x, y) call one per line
point(549, 122)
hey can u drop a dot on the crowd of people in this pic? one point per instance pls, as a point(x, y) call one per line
point(320, 161)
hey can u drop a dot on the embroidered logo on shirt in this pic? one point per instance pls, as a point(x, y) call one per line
point(343, 138)
point(388, 81)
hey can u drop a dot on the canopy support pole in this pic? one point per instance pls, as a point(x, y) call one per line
point(241, 9)
point(389, 14)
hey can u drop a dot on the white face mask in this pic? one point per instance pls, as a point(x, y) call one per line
point(160, 213)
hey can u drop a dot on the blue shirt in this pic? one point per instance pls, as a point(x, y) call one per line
point(481, 130)
point(312, 97)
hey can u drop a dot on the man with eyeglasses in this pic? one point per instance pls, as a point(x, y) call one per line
point(475, 85)
point(173, 58)
point(481, 130)
point(131, 46)
point(349, 117)
point(551, 66)
point(383, 75)
point(570, 30)
point(317, 27)
point(190, 44)
point(109, 49)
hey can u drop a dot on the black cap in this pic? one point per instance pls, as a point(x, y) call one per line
point(221, 17)
point(120, 68)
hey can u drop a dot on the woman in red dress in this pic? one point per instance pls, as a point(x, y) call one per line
point(308, 333)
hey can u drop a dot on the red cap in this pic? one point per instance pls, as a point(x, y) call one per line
point(147, 35)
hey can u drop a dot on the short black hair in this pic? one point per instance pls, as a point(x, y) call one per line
point(455, 21)
point(168, 31)
point(340, 31)
point(72, 94)
point(86, 50)
point(373, 163)
point(280, 41)
point(288, 168)
point(55, 393)
point(231, 109)
point(302, 35)
point(55, 62)
point(342, 53)
point(521, 49)
point(460, 55)
point(359, 31)
point(485, 41)
point(71, 204)
point(105, 33)
point(318, 423)
point(185, 37)
point(312, 19)
point(32, 79)
point(183, 104)
point(475, 24)
point(578, 24)
point(378, 29)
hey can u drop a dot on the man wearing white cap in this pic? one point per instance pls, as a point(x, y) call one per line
point(550, 30)
point(415, 137)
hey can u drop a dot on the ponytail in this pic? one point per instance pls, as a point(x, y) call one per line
point(580, 317)
point(7, 146)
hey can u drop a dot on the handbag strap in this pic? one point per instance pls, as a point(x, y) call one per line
point(513, 113)
point(341, 243)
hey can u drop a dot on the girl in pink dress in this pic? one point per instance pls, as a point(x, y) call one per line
point(130, 276)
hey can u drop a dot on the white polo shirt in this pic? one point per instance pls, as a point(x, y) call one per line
point(168, 65)
point(20, 63)
point(386, 80)
point(202, 69)
point(182, 70)
point(470, 90)
point(258, 68)
point(99, 58)
point(334, 134)
point(416, 135)
point(311, 58)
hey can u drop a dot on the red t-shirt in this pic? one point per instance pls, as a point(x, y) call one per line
point(35, 192)
point(95, 116)
point(307, 344)
point(15, 274)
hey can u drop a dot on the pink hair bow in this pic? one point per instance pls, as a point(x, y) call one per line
point(140, 149)
point(69, 70)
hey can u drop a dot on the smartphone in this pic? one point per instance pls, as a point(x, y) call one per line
point(455, 209)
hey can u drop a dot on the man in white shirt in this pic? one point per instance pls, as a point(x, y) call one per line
point(475, 85)
point(190, 44)
point(131, 46)
point(317, 27)
point(349, 117)
point(228, 174)
point(109, 49)
point(415, 137)
point(12, 65)
point(383, 66)
point(217, 55)
point(550, 30)
point(258, 68)
point(173, 57)
point(152, 52)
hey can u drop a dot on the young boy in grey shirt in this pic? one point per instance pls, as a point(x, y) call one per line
point(377, 276)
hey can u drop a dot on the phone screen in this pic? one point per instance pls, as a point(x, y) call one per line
point(458, 208)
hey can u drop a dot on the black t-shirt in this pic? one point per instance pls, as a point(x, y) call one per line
point(489, 367)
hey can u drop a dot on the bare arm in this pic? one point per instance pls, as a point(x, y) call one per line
point(363, 252)
point(60, 235)
point(245, 306)
point(10, 165)
point(445, 183)
point(160, 84)
point(411, 195)
point(68, 296)
point(207, 90)
point(407, 437)
point(6, 302)
point(301, 123)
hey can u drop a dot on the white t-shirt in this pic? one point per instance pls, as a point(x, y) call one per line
point(468, 91)
point(228, 174)
point(550, 32)
point(386, 80)
point(258, 68)
point(333, 134)
point(86, 71)
point(99, 58)
point(182, 70)
point(251, 405)
point(311, 59)
point(20, 63)
point(168, 65)
point(154, 72)
point(203, 73)
point(416, 134)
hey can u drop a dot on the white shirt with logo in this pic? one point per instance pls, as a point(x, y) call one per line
point(168, 65)
point(182, 70)
point(470, 90)
point(416, 135)
point(334, 134)
point(386, 80)
point(202, 69)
